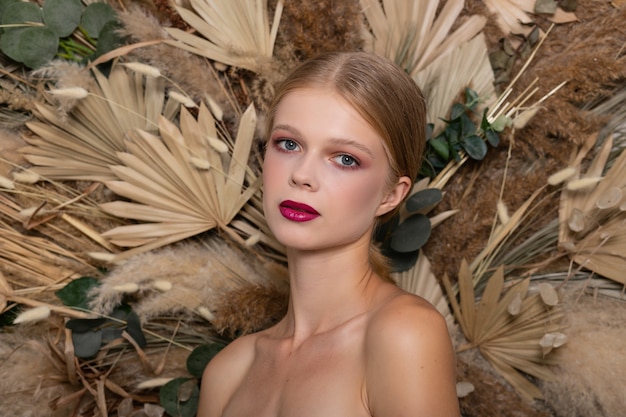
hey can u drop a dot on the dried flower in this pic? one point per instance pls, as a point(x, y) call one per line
point(26, 177)
point(162, 285)
point(206, 313)
point(583, 183)
point(153, 383)
point(6, 183)
point(70, 92)
point(217, 144)
point(182, 99)
point(144, 69)
point(33, 314)
point(561, 176)
point(216, 110)
point(200, 163)
point(130, 287)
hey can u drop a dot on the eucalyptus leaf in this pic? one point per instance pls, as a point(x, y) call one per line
point(62, 16)
point(201, 356)
point(175, 406)
point(440, 145)
point(423, 199)
point(475, 147)
point(133, 328)
point(457, 110)
point(108, 38)
point(87, 344)
point(111, 332)
point(471, 98)
point(21, 12)
point(75, 294)
point(402, 261)
point(411, 234)
point(492, 137)
point(3, 6)
point(468, 127)
point(84, 325)
point(9, 43)
point(95, 17)
point(38, 46)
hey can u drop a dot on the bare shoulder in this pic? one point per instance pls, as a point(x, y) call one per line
point(223, 374)
point(410, 362)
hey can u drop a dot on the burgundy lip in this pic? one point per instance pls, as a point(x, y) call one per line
point(299, 207)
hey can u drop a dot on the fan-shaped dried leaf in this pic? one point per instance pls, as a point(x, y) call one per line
point(236, 32)
point(83, 145)
point(167, 191)
point(592, 223)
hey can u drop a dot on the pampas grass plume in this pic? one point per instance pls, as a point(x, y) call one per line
point(32, 315)
point(70, 92)
point(561, 176)
point(144, 69)
point(26, 177)
point(6, 183)
point(217, 144)
point(200, 163)
point(583, 183)
point(162, 285)
point(216, 110)
point(182, 99)
point(206, 314)
point(153, 383)
point(127, 288)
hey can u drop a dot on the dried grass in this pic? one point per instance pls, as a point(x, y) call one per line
point(590, 376)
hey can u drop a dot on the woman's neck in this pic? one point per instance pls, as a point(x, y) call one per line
point(328, 288)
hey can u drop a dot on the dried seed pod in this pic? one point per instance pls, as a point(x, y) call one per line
point(609, 198)
point(576, 222)
point(548, 294)
point(515, 306)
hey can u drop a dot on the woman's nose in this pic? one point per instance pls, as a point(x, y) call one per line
point(304, 174)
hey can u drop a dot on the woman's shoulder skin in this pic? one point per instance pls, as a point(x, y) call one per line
point(409, 359)
point(224, 373)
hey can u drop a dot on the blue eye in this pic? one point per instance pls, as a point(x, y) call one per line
point(347, 161)
point(287, 144)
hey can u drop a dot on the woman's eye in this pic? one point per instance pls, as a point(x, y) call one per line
point(288, 144)
point(347, 161)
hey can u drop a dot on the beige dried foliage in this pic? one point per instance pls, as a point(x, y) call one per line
point(200, 274)
point(236, 32)
point(593, 219)
point(508, 338)
point(590, 376)
point(84, 143)
point(169, 194)
point(413, 34)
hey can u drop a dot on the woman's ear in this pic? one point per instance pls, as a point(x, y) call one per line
point(394, 196)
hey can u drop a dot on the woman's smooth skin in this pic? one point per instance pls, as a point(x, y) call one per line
point(351, 344)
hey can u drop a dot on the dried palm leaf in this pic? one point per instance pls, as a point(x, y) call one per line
point(236, 32)
point(508, 330)
point(420, 280)
point(593, 218)
point(180, 183)
point(411, 34)
point(84, 144)
point(445, 78)
point(512, 15)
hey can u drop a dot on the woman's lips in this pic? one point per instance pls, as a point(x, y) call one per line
point(297, 212)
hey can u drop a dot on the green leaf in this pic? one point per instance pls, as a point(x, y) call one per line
point(423, 199)
point(475, 147)
point(62, 16)
point(37, 45)
point(21, 12)
point(441, 146)
point(95, 17)
point(501, 123)
point(87, 344)
point(401, 261)
point(201, 356)
point(133, 328)
point(471, 98)
point(411, 234)
point(468, 127)
point(84, 325)
point(3, 6)
point(75, 294)
point(170, 398)
point(108, 39)
point(492, 137)
point(457, 110)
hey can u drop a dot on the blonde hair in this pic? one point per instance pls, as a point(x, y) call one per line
point(385, 96)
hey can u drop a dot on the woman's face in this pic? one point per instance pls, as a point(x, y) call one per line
point(325, 173)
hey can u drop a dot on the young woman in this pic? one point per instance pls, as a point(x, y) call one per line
point(345, 135)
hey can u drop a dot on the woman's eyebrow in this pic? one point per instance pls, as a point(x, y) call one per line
point(288, 128)
point(350, 142)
